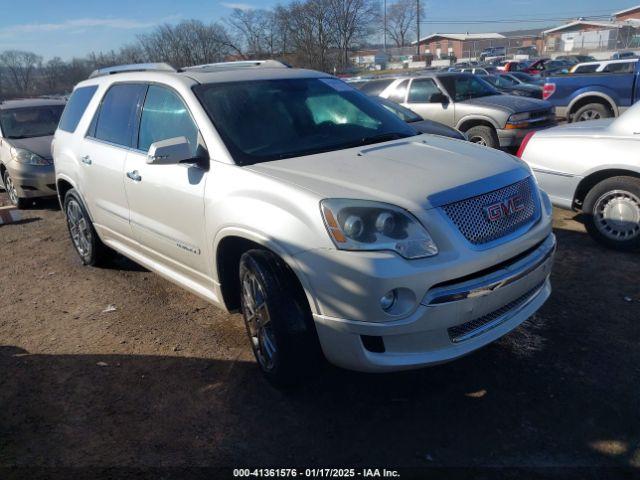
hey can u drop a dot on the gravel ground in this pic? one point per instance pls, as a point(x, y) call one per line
point(118, 367)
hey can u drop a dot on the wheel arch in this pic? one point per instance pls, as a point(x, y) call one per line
point(229, 246)
point(593, 178)
point(63, 185)
point(475, 121)
point(592, 97)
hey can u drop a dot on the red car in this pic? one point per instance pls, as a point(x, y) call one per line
point(512, 66)
point(537, 67)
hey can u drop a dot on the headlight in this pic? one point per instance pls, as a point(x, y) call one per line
point(21, 155)
point(519, 117)
point(368, 225)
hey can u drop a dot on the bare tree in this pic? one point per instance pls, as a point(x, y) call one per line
point(401, 21)
point(21, 67)
point(352, 21)
point(188, 43)
point(311, 33)
point(53, 74)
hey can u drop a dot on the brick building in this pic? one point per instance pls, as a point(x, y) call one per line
point(583, 36)
point(632, 13)
point(469, 45)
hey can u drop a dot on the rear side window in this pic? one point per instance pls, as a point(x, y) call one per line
point(116, 119)
point(75, 108)
point(165, 116)
point(620, 67)
point(375, 87)
point(586, 69)
point(421, 90)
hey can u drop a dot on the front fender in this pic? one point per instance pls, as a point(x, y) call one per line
point(483, 118)
point(280, 249)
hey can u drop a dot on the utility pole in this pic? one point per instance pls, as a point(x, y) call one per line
point(385, 27)
point(418, 27)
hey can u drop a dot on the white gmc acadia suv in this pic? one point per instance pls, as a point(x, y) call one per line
point(333, 226)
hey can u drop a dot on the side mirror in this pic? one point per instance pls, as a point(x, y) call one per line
point(438, 98)
point(169, 152)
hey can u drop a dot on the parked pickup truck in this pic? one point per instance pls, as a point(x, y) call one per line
point(589, 97)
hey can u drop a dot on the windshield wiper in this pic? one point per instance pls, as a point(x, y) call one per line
point(383, 137)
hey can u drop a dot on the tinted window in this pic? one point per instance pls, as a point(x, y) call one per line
point(75, 108)
point(466, 87)
point(619, 67)
point(117, 116)
point(375, 87)
point(266, 120)
point(421, 90)
point(400, 92)
point(586, 68)
point(29, 122)
point(503, 81)
point(165, 116)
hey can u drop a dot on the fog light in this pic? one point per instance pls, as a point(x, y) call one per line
point(389, 300)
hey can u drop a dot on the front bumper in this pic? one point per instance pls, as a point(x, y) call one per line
point(514, 137)
point(453, 319)
point(33, 181)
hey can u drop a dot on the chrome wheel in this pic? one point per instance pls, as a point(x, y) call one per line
point(258, 321)
point(479, 140)
point(589, 115)
point(617, 215)
point(11, 190)
point(79, 228)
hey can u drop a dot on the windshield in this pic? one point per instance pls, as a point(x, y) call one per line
point(30, 122)
point(401, 112)
point(466, 87)
point(267, 120)
point(504, 81)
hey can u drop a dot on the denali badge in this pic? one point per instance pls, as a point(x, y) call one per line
point(507, 207)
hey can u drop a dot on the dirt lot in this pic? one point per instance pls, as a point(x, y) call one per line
point(167, 380)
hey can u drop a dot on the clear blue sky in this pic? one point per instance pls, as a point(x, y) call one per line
point(69, 28)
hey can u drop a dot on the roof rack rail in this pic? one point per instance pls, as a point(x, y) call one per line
point(207, 67)
point(134, 67)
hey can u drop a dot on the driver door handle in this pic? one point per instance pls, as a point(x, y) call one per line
point(86, 159)
point(134, 175)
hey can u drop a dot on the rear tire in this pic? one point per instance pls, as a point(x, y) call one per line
point(612, 210)
point(84, 237)
point(591, 111)
point(483, 135)
point(278, 319)
point(12, 193)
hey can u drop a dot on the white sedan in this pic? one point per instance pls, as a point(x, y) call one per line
point(593, 167)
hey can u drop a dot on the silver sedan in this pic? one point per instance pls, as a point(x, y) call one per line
point(593, 167)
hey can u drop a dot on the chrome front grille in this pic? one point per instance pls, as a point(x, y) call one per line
point(471, 218)
point(491, 320)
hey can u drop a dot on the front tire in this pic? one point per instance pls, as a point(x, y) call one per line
point(12, 193)
point(612, 209)
point(592, 111)
point(483, 135)
point(278, 319)
point(84, 238)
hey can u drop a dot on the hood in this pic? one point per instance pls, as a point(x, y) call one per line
point(437, 128)
point(403, 172)
point(592, 128)
point(39, 145)
point(510, 103)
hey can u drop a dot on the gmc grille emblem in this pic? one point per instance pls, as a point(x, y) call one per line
point(505, 208)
